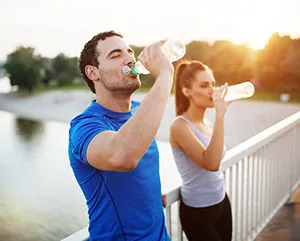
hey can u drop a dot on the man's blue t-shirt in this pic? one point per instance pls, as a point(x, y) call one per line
point(122, 206)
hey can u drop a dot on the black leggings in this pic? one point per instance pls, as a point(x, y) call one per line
point(213, 223)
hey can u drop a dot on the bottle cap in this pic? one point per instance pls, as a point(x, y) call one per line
point(126, 70)
point(134, 70)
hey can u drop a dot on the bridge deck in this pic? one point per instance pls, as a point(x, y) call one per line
point(285, 225)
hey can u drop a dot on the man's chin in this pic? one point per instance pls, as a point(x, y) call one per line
point(133, 88)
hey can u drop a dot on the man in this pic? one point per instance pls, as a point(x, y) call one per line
point(112, 149)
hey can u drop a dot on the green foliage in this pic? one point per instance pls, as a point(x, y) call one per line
point(64, 79)
point(278, 65)
point(23, 67)
point(65, 69)
point(230, 63)
point(48, 73)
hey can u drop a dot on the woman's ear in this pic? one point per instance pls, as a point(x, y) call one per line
point(92, 72)
point(186, 92)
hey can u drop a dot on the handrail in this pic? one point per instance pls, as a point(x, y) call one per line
point(254, 180)
point(256, 142)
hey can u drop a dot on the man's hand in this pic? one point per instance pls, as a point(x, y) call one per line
point(155, 60)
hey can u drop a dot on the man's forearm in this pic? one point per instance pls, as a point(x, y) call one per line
point(139, 131)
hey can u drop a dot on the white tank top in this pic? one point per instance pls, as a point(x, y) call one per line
point(200, 187)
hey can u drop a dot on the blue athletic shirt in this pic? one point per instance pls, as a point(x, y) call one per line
point(122, 206)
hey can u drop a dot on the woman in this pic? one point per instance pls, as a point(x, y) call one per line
point(205, 210)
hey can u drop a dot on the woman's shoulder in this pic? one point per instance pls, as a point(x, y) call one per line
point(180, 129)
point(179, 122)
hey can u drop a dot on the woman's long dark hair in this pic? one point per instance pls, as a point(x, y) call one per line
point(183, 77)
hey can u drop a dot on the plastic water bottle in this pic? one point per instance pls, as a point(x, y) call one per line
point(173, 49)
point(239, 91)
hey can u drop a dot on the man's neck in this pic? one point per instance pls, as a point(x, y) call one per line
point(115, 102)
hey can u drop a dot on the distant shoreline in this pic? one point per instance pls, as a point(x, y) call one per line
point(53, 105)
point(243, 120)
point(57, 105)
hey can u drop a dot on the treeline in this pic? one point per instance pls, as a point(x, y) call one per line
point(275, 68)
point(29, 70)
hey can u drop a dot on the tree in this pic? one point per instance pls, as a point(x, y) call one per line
point(47, 71)
point(65, 69)
point(23, 68)
point(278, 64)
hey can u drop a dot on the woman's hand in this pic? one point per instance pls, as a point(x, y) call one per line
point(164, 200)
point(218, 99)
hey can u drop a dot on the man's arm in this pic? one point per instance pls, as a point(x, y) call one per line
point(122, 150)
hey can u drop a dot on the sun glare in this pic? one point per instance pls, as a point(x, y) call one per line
point(257, 38)
point(255, 22)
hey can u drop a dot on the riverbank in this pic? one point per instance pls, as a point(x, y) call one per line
point(243, 119)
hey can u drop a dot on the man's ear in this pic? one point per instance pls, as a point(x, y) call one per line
point(92, 72)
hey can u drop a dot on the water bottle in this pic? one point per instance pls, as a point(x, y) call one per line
point(173, 49)
point(239, 91)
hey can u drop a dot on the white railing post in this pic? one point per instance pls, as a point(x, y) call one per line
point(179, 227)
point(168, 220)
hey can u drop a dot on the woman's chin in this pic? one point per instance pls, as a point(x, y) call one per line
point(211, 104)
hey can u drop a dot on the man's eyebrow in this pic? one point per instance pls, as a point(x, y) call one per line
point(130, 50)
point(114, 51)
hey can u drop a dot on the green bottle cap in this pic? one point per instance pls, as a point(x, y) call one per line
point(134, 70)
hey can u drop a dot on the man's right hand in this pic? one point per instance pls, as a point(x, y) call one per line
point(155, 60)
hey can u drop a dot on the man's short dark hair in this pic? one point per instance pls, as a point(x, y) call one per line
point(89, 55)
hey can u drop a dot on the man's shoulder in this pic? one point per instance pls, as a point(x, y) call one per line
point(86, 117)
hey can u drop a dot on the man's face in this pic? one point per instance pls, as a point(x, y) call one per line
point(114, 54)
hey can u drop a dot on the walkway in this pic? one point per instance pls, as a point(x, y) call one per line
point(285, 226)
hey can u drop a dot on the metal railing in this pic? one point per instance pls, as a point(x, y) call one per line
point(260, 175)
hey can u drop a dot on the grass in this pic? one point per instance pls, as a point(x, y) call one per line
point(258, 96)
point(265, 96)
point(80, 86)
point(52, 87)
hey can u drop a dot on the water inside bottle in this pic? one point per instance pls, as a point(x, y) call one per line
point(174, 50)
point(239, 91)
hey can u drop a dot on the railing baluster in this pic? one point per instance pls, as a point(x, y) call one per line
point(268, 177)
point(264, 185)
point(255, 194)
point(273, 178)
point(250, 195)
point(260, 192)
point(246, 197)
point(241, 202)
point(236, 203)
point(168, 221)
point(179, 227)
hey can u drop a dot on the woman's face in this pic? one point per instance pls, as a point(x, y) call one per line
point(201, 89)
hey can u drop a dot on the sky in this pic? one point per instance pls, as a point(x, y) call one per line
point(64, 26)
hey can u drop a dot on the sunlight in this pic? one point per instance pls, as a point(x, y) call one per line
point(260, 40)
point(256, 21)
point(257, 35)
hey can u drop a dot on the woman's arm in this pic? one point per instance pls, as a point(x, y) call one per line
point(181, 135)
